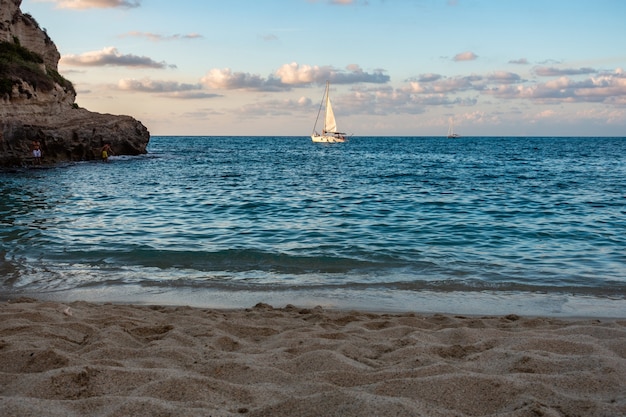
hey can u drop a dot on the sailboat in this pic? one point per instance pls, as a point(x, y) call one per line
point(451, 133)
point(329, 132)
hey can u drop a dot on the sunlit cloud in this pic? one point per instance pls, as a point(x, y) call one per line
point(110, 56)
point(606, 88)
point(556, 72)
point(151, 86)
point(546, 114)
point(440, 85)
point(385, 100)
point(93, 4)
point(296, 74)
point(435, 90)
point(276, 107)
point(155, 37)
point(427, 78)
point(465, 56)
point(226, 79)
point(191, 95)
point(169, 89)
point(289, 76)
point(504, 77)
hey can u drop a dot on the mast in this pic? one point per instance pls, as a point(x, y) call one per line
point(320, 109)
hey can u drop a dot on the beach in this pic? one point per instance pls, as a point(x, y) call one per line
point(105, 359)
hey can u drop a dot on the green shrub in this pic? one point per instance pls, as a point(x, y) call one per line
point(17, 62)
point(6, 86)
point(17, 52)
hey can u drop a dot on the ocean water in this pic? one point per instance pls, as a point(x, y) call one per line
point(474, 225)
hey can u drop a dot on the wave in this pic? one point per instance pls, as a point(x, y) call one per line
point(229, 260)
point(262, 271)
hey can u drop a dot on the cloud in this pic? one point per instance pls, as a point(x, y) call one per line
point(504, 77)
point(170, 89)
point(94, 4)
point(607, 88)
point(521, 61)
point(192, 95)
point(430, 89)
point(555, 72)
point(441, 85)
point(546, 114)
point(110, 56)
point(269, 37)
point(385, 100)
point(155, 37)
point(152, 86)
point(276, 107)
point(427, 78)
point(289, 76)
point(296, 74)
point(226, 79)
point(465, 56)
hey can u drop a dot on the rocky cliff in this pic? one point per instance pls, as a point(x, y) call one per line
point(38, 105)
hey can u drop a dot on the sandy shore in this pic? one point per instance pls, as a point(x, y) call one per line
point(85, 359)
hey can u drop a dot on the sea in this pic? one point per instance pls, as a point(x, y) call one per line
point(468, 226)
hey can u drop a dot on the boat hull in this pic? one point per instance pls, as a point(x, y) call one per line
point(327, 139)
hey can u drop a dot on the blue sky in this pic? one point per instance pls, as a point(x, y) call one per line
point(397, 67)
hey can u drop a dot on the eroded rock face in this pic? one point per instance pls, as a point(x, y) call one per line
point(31, 113)
point(78, 135)
point(14, 24)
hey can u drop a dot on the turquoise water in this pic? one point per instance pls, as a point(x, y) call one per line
point(469, 225)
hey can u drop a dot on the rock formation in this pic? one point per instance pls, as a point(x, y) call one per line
point(38, 105)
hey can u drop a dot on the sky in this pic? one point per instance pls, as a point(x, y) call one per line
point(396, 67)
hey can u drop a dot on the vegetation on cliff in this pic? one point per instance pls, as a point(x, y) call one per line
point(18, 63)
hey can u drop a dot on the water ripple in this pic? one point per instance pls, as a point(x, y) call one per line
point(409, 214)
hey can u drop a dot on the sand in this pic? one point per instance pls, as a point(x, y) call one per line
point(89, 359)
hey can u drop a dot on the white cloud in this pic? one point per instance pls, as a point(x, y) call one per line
point(148, 85)
point(276, 107)
point(607, 88)
point(110, 56)
point(226, 79)
point(289, 76)
point(443, 85)
point(296, 74)
point(465, 56)
point(504, 77)
point(94, 4)
point(155, 37)
point(556, 72)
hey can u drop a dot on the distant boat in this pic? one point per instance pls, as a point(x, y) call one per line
point(451, 133)
point(329, 132)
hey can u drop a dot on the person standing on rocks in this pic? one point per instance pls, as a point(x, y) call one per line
point(36, 152)
point(106, 150)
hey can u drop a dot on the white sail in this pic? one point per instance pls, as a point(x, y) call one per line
point(330, 124)
point(451, 133)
